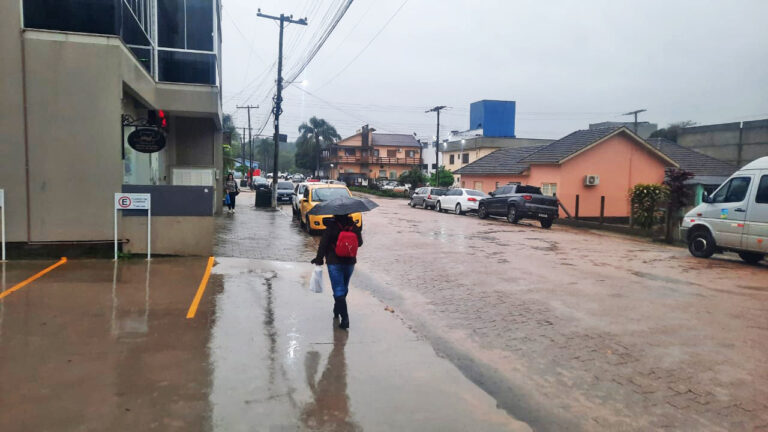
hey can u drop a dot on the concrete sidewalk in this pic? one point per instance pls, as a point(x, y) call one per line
point(278, 362)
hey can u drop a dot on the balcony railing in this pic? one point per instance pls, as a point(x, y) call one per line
point(375, 160)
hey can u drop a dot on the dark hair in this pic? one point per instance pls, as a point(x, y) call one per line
point(344, 220)
point(230, 175)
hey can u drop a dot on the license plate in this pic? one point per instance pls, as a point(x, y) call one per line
point(543, 215)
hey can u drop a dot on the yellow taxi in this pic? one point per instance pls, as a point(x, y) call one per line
point(316, 193)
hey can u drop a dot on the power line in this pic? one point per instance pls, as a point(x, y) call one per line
point(366, 46)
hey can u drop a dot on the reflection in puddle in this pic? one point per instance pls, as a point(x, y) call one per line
point(329, 409)
point(126, 322)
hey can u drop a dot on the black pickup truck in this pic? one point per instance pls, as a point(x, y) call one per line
point(516, 202)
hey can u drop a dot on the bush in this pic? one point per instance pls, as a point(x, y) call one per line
point(446, 178)
point(647, 202)
point(379, 192)
point(414, 177)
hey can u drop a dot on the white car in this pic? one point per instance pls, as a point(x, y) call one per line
point(460, 201)
point(298, 194)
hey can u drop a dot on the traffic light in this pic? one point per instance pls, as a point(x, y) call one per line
point(157, 118)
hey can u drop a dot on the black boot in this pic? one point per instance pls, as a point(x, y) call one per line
point(343, 311)
point(336, 308)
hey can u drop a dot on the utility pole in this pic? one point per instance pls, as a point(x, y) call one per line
point(635, 113)
point(437, 110)
point(250, 140)
point(277, 110)
point(242, 151)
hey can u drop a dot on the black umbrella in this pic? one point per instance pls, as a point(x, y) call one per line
point(342, 206)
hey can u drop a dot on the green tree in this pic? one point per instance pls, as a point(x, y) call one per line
point(231, 150)
point(647, 203)
point(670, 132)
point(680, 196)
point(415, 177)
point(314, 135)
point(446, 177)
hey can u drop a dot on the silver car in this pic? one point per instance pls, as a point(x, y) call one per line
point(426, 197)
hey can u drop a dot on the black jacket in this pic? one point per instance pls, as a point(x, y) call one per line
point(327, 248)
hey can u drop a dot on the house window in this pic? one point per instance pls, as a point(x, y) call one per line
point(376, 153)
point(497, 185)
point(465, 158)
point(349, 152)
point(393, 175)
point(451, 160)
point(392, 153)
point(410, 153)
point(479, 185)
point(382, 173)
point(548, 189)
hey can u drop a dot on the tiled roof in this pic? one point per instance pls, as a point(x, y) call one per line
point(502, 161)
point(569, 145)
point(691, 160)
point(398, 140)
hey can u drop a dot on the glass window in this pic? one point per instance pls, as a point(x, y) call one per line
point(465, 158)
point(199, 25)
point(144, 55)
point(382, 173)
point(475, 193)
point(285, 185)
point(186, 67)
point(549, 189)
point(762, 191)
point(83, 16)
point(170, 23)
point(734, 190)
point(393, 175)
point(325, 194)
point(450, 159)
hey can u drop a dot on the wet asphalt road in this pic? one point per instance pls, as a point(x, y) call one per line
point(496, 327)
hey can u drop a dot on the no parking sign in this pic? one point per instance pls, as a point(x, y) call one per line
point(135, 201)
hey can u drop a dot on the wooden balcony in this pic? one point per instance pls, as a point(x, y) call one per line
point(372, 160)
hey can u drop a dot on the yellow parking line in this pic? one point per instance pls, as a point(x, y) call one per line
point(29, 280)
point(196, 301)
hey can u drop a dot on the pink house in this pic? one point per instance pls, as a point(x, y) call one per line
point(593, 165)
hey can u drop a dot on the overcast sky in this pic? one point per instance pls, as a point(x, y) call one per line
point(567, 63)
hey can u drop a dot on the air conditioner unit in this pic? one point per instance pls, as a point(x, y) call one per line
point(591, 180)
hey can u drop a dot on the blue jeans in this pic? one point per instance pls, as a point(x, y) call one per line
point(340, 275)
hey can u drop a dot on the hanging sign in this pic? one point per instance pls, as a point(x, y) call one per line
point(146, 140)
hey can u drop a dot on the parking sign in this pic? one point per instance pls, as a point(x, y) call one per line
point(135, 201)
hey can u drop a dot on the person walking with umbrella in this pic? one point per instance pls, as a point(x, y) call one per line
point(338, 247)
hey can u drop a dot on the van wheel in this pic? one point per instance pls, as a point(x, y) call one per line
point(751, 257)
point(482, 212)
point(546, 223)
point(701, 244)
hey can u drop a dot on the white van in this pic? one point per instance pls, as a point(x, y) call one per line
point(734, 218)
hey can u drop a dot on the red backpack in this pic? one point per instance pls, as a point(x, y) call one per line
point(346, 244)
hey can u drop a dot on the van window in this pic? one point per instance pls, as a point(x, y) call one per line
point(733, 191)
point(762, 191)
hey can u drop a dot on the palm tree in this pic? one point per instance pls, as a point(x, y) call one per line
point(321, 133)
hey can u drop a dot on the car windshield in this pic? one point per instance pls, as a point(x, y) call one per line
point(325, 194)
point(259, 180)
point(285, 185)
point(472, 192)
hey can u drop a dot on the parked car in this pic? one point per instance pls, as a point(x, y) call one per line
point(297, 178)
point(284, 192)
point(316, 193)
point(260, 183)
point(426, 197)
point(515, 202)
point(460, 201)
point(298, 194)
point(734, 218)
